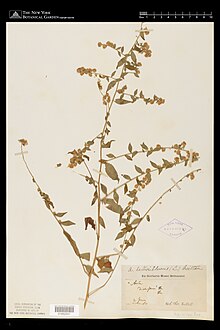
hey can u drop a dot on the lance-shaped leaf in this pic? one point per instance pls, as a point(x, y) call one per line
point(85, 256)
point(104, 189)
point(95, 197)
point(120, 235)
point(136, 212)
point(126, 176)
point(72, 242)
point(67, 223)
point(102, 223)
point(125, 188)
point(122, 101)
point(111, 85)
point(116, 196)
point(60, 214)
point(114, 207)
point(89, 269)
point(133, 57)
point(130, 147)
point(144, 147)
point(110, 156)
point(138, 169)
point(111, 171)
point(132, 239)
point(154, 164)
point(121, 62)
point(136, 221)
point(128, 157)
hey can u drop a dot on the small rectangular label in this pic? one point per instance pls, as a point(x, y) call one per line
point(164, 288)
point(64, 310)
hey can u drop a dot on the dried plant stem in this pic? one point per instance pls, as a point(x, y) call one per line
point(49, 208)
point(123, 246)
point(138, 152)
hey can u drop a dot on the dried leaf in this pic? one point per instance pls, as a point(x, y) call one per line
point(142, 35)
point(104, 189)
point(107, 144)
point(128, 157)
point(141, 95)
point(59, 215)
point(143, 145)
point(111, 85)
point(89, 269)
point(114, 207)
point(138, 169)
point(130, 147)
point(23, 142)
point(116, 196)
point(59, 165)
point(121, 62)
point(122, 101)
point(67, 223)
point(102, 223)
point(72, 242)
point(135, 92)
point(134, 153)
point(95, 197)
point(136, 212)
point(120, 235)
point(125, 188)
point(113, 73)
point(136, 221)
point(89, 221)
point(154, 164)
point(127, 177)
point(132, 239)
point(111, 171)
point(85, 256)
point(133, 57)
point(167, 164)
point(110, 156)
point(148, 217)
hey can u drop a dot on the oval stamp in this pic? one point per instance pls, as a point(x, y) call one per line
point(175, 228)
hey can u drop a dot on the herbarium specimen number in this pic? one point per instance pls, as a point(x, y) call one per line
point(113, 90)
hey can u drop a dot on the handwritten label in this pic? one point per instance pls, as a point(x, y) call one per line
point(164, 288)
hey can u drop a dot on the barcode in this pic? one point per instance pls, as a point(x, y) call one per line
point(64, 310)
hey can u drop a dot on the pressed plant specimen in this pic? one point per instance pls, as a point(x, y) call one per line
point(122, 200)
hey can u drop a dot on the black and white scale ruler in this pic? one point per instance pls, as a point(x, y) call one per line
point(184, 16)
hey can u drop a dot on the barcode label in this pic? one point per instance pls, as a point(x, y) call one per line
point(64, 310)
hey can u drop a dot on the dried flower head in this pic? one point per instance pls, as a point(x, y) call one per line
point(23, 142)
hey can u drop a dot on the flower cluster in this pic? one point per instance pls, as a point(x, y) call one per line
point(77, 157)
point(156, 99)
point(23, 142)
point(122, 90)
point(88, 71)
point(106, 99)
point(145, 49)
point(107, 44)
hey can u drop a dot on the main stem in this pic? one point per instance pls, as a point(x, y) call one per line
point(108, 109)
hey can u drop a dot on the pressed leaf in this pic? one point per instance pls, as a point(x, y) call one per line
point(138, 169)
point(110, 156)
point(125, 188)
point(113, 73)
point(67, 223)
point(141, 95)
point(107, 144)
point(136, 221)
point(130, 147)
point(122, 101)
point(116, 196)
point(60, 214)
point(128, 157)
point(148, 217)
point(134, 153)
point(142, 35)
point(89, 143)
point(122, 61)
point(133, 57)
point(127, 177)
point(72, 242)
point(136, 212)
point(89, 221)
point(167, 164)
point(114, 207)
point(85, 256)
point(132, 239)
point(95, 197)
point(104, 189)
point(111, 171)
point(111, 85)
point(154, 164)
point(89, 268)
point(143, 145)
point(102, 223)
point(120, 235)
point(59, 165)
point(135, 92)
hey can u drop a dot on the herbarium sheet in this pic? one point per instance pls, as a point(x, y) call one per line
point(109, 171)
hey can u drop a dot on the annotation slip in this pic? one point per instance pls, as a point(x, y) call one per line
point(164, 288)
